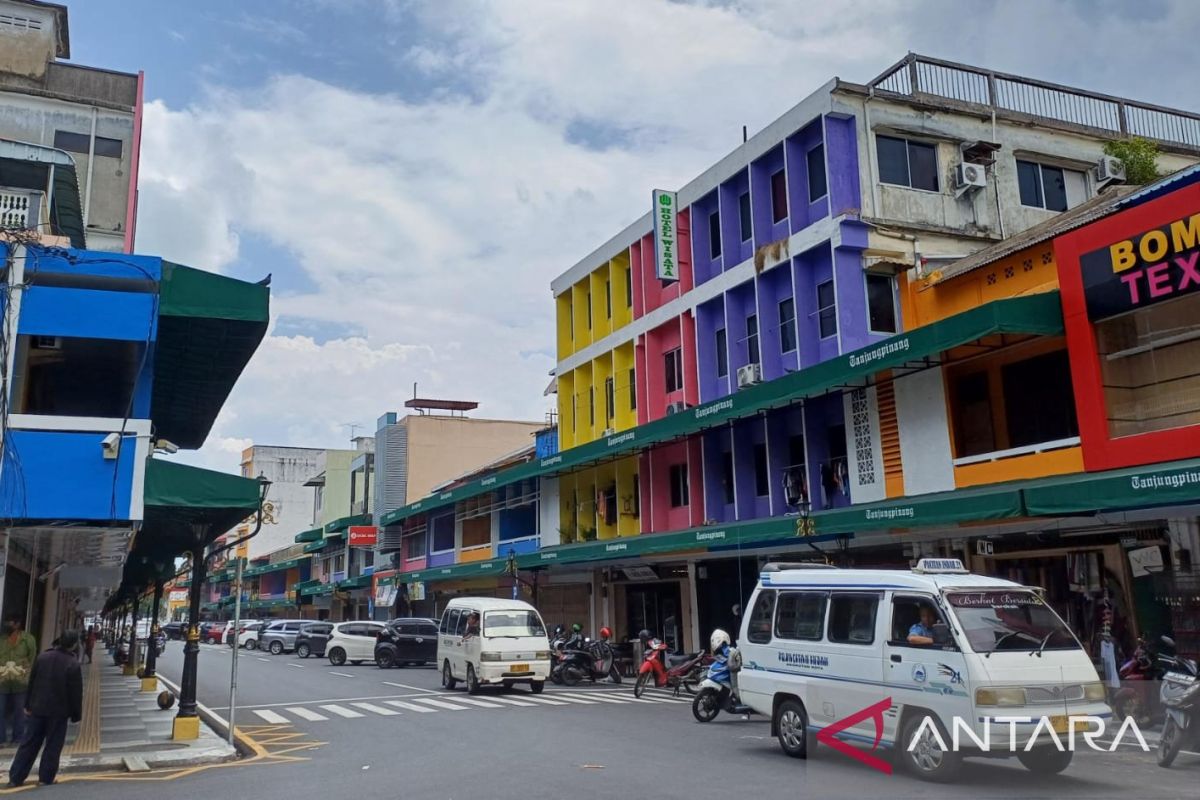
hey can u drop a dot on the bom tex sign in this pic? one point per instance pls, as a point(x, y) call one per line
point(1153, 266)
point(666, 204)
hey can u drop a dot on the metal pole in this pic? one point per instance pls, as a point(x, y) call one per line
point(152, 645)
point(131, 664)
point(237, 619)
point(191, 649)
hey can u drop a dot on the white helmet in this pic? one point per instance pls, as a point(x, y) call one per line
point(718, 638)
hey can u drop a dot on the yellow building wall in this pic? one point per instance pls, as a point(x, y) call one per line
point(601, 316)
point(566, 411)
point(621, 285)
point(1035, 465)
point(628, 522)
point(565, 336)
point(579, 301)
point(623, 364)
point(585, 421)
point(602, 370)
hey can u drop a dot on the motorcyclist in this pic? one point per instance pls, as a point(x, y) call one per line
point(722, 651)
point(576, 641)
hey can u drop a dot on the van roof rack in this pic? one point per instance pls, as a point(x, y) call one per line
point(779, 566)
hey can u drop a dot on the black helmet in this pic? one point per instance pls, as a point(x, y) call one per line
point(645, 635)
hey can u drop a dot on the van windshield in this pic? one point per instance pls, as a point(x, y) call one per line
point(1004, 619)
point(512, 623)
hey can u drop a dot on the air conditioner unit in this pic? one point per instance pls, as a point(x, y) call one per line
point(1110, 169)
point(969, 176)
point(676, 407)
point(608, 431)
point(749, 375)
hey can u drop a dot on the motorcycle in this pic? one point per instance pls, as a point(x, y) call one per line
point(669, 670)
point(1180, 696)
point(1140, 676)
point(594, 660)
point(719, 691)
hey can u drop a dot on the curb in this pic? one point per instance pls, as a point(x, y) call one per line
point(244, 746)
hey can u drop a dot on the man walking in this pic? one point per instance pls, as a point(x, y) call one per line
point(55, 695)
point(17, 652)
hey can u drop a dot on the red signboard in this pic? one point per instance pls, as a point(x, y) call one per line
point(363, 535)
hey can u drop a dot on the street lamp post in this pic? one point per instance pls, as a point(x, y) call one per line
point(237, 626)
point(187, 721)
point(149, 676)
point(131, 657)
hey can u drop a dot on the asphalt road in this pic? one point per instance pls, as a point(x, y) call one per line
point(396, 734)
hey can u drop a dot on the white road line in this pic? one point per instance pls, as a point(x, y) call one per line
point(439, 704)
point(471, 701)
point(546, 701)
point(297, 666)
point(304, 713)
point(342, 674)
point(562, 698)
point(654, 699)
point(325, 700)
point(406, 686)
point(511, 702)
point(272, 717)
point(411, 707)
point(374, 709)
point(341, 712)
point(264, 659)
point(591, 696)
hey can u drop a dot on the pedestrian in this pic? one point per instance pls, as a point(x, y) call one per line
point(55, 695)
point(17, 652)
point(90, 645)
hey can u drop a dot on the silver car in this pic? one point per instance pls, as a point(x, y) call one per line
point(279, 636)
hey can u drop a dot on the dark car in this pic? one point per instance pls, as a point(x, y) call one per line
point(312, 638)
point(407, 641)
point(174, 630)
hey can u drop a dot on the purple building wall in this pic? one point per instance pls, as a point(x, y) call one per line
point(706, 265)
point(841, 159)
point(804, 209)
point(748, 434)
point(733, 248)
point(717, 443)
point(775, 286)
point(739, 305)
point(766, 229)
point(710, 317)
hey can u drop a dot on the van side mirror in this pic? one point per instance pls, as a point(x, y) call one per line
point(941, 633)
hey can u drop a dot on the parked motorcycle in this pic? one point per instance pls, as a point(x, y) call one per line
point(579, 659)
point(669, 670)
point(1180, 696)
point(1140, 677)
point(719, 691)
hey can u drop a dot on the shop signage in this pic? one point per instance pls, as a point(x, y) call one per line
point(178, 596)
point(1151, 267)
point(363, 535)
point(666, 204)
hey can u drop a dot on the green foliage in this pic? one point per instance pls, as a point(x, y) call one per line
point(1140, 157)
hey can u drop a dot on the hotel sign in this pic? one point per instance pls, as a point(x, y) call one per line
point(666, 244)
point(1151, 267)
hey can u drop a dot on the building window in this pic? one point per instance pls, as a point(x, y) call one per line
point(629, 288)
point(589, 306)
point(714, 234)
point(592, 406)
point(674, 369)
point(1044, 415)
point(818, 186)
point(974, 430)
point(610, 400)
point(779, 204)
point(75, 377)
point(752, 338)
point(1051, 188)
point(608, 299)
point(727, 477)
point(571, 319)
point(826, 309)
point(762, 483)
point(881, 303)
point(747, 223)
point(679, 485)
point(722, 353)
point(787, 325)
point(78, 143)
point(907, 163)
point(574, 411)
point(632, 392)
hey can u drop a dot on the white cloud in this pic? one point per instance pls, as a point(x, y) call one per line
point(434, 227)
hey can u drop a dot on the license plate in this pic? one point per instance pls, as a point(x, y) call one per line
point(1060, 724)
point(519, 668)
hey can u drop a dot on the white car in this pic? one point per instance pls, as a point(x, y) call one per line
point(248, 637)
point(353, 642)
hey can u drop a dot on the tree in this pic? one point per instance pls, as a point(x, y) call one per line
point(1140, 157)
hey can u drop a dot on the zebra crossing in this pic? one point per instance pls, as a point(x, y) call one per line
point(438, 703)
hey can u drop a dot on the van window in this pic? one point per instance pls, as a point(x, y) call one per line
point(800, 615)
point(512, 623)
point(758, 630)
point(906, 612)
point(461, 628)
point(852, 618)
point(450, 621)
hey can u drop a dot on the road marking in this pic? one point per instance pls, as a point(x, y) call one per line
point(374, 709)
point(325, 700)
point(565, 699)
point(546, 701)
point(590, 696)
point(263, 659)
point(406, 686)
point(511, 702)
point(297, 666)
point(341, 712)
point(411, 707)
point(342, 674)
point(473, 702)
point(439, 704)
point(652, 699)
point(308, 714)
point(272, 717)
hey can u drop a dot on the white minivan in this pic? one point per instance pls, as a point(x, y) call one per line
point(915, 661)
point(507, 645)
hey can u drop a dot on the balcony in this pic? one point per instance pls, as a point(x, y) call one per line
point(23, 209)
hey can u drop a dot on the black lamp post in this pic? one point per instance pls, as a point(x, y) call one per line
point(149, 675)
point(131, 658)
point(804, 523)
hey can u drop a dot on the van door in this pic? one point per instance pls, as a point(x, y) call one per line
point(448, 641)
point(932, 675)
point(470, 647)
point(850, 662)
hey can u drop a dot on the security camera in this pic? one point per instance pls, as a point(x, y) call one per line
point(165, 446)
point(110, 445)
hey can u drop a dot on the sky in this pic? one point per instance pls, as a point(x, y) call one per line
point(414, 174)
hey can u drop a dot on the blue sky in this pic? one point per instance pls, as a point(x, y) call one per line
point(413, 174)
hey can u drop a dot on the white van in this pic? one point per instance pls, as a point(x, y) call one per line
point(820, 644)
point(509, 645)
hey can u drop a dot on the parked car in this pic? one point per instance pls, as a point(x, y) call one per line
point(279, 636)
point(248, 636)
point(353, 642)
point(175, 630)
point(406, 642)
point(312, 638)
point(215, 633)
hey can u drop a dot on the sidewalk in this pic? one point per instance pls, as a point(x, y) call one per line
point(121, 722)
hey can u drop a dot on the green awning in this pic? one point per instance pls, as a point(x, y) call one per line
point(272, 604)
point(1039, 314)
point(473, 569)
point(311, 535)
point(186, 506)
point(302, 585)
point(209, 326)
point(981, 504)
point(316, 590)
point(314, 547)
point(361, 582)
point(340, 525)
point(276, 567)
point(1175, 483)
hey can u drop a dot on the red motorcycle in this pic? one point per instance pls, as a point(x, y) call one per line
point(669, 670)
point(1141, 676)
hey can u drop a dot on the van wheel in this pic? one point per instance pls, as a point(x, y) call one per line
point(923, 754)
point(448, 682)
point(337, 656)
point(1045, 760)
point(791, 725)
point(537, 687)
point(472, 680)
point(508, 685)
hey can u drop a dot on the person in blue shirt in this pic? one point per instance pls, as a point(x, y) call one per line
point(922, 632)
